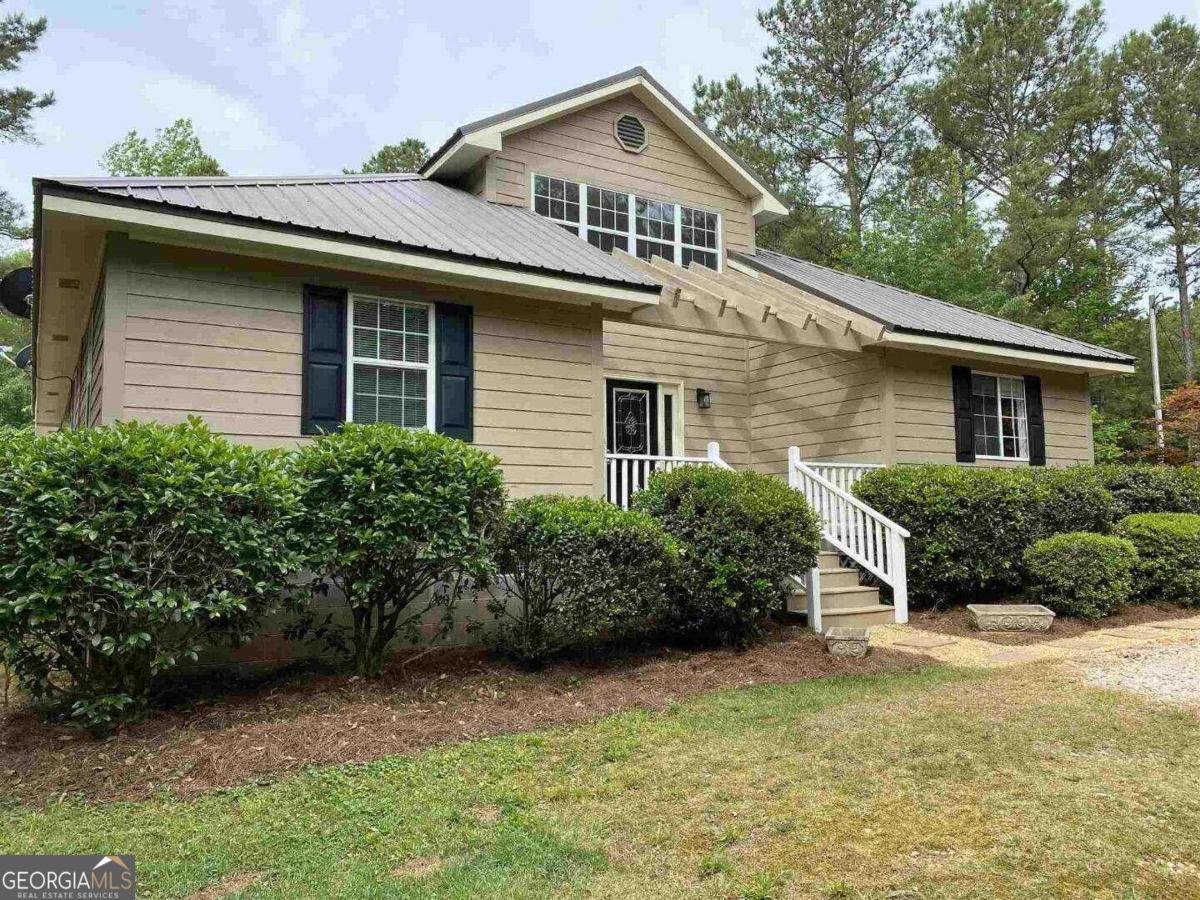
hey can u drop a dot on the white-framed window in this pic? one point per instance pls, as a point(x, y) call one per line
point(1001, 416)
point(607, 219)
point(558, 200)
point(390, 377)
point(647, 228)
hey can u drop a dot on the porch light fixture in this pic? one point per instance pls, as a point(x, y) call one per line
point(703, 398)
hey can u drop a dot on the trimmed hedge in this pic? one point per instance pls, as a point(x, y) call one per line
point(1080, 574)
point(970, 527)
point(1151, 489)
point(742, 536)
point(1168, 546)
point(576, 570)
point(400, 522)
point(126, 548)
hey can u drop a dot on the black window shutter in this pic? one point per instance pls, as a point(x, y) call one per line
point(964, 418)
point(455, 371)
point(1037, 420)
point(323, 382)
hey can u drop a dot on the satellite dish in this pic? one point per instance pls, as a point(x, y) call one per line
point(24, 357)
point(16, 292)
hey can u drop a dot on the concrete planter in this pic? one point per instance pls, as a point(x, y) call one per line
point(1009, 617)
point(849, 643)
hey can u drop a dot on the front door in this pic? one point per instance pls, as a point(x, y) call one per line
point(632, 417)
point(631, 429)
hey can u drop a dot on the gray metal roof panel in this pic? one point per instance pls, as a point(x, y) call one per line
point(402, 209)
point(906, 311)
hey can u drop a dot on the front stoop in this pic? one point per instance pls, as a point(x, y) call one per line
point(845, 603)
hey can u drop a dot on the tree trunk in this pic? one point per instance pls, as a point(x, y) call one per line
point(1185, 313)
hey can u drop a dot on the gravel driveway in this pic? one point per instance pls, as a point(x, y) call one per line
point(1169, 672)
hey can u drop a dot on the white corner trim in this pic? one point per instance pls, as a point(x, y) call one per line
point(971, 349)
point(163, 227)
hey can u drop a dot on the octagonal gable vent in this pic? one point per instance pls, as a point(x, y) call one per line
point(631, 133)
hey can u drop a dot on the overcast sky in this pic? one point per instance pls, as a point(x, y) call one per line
point(291, 87)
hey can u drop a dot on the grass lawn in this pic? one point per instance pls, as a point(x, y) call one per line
point(934, 782)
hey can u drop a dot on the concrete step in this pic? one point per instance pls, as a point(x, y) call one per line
point(848, 597)
point(857, 617)
point(838, 578)
point(827, 559)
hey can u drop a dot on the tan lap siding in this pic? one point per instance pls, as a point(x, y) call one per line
point(582, 147)
point(220, 337)
point(825, 402)
point(924, 410)
point(712, 362)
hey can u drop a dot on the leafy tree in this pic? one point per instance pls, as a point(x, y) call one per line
point(1162, 107)
point(1181, 422)
point(18, 36)
point(407, 156)
point(1016, 79)
point(832, 100)
point(928, 237)
point(16, 392)
point(175, 151)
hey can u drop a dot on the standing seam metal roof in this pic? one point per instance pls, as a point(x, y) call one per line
point(906, 311)
point(403, 209)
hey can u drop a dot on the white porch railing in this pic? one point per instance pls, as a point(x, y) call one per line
point(627, 473)
point(843, 475)
point(866, 536)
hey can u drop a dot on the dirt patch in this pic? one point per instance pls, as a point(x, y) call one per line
point(418, 867)
point(954, 622)
point(261, 734)
point(227, 886)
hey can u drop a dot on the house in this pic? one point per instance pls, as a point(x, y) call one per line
point(573, 285)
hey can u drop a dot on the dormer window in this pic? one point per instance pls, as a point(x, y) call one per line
point(647, 228)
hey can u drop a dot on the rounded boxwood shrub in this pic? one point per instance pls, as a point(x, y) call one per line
point(575, 570)
point(970, 526)
point(1151, 489)
point(742, 536)
point(1080, 574)
point(399, 522)
point(126, 548)
point(1168, 546)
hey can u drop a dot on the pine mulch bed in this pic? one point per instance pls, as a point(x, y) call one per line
point(953, 621)
point(260, 733)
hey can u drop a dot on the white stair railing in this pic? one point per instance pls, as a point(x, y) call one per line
point(843, 475)
point(628, 473)
point(854, 529)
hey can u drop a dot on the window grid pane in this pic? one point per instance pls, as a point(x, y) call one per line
point(557, 199)
point(675, 233)
point(394, 335)
point(395, 396)
point(1001, 421)
point(396, 332)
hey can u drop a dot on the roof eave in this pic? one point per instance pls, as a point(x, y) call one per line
point(235, 234)
point(911, 339)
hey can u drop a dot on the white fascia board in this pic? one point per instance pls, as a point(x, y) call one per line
point(972, 350)
point(161, 227)
point(766, 207)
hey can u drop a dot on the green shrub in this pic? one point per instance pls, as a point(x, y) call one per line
point(1151, 489)
point(125, 549)
point(1168, 546)
point(398, 521)
point(577, 569)
point(742, 536)
point(970, 526)
point(1080, 574)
